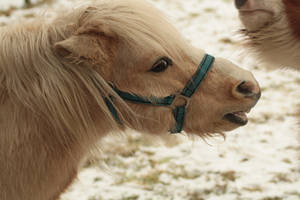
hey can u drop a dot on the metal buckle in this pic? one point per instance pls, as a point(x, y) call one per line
point(179, 101)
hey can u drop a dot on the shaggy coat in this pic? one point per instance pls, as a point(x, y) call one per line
point(52, 112)
point(272, 30)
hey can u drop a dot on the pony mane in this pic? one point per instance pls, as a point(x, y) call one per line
point(136, 22)
point(61, 93)
point(58, 93)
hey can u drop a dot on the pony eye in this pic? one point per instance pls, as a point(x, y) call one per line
point(161, 65)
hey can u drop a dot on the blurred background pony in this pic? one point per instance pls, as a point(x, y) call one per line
point(272, 30)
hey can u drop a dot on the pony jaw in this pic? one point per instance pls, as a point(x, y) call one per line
point(239, 118)
point(256, 18)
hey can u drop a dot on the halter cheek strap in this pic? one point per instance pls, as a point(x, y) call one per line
point(190, 89)
point(177, 102)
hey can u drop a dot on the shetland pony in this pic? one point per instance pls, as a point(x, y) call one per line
point(58, 96)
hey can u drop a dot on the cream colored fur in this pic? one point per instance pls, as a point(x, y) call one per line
point(271, 39)
point(51, 112)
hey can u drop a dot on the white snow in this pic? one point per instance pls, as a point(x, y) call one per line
point(260, 161)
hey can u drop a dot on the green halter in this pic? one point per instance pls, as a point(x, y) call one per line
point(171, 101)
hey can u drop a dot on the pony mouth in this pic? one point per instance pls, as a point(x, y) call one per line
point(255, 11)
point(239, 118)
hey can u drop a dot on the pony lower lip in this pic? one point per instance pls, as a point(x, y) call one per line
point(249, 12)
point(239, 118)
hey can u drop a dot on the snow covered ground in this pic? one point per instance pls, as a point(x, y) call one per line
point(258, 162)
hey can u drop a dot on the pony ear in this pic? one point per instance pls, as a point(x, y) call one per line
point(79, 46)
point(89, 42)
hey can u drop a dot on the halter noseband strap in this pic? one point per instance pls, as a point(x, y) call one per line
point(177, 102)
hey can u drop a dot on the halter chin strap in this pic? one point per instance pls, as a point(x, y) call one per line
point(177, 102)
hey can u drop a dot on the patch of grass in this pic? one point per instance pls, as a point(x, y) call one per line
point(194, 15)
point(153, 163)
point(229, 176)
point(218, 189)
point(182, 173)
point(133, 197)
point(264, 141)
point(255, 188)
point(95, 198)
point(226, 40)
point(147, 180)
point(221, 189)
point(209, 10)
point(295, 193)
point(272, 198)
point(97, 179)
point(286, 160)
point(29, 15)
point(27, 4)
point(151, 178)
point(281, 177)
point(196, 195)
point(245, 160)
point(114, 161)
point(7, 12)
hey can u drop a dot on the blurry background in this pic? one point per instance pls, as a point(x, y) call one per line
point(258, 162)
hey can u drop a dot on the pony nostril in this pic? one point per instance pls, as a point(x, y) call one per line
point(246, 89)
point(240, 3)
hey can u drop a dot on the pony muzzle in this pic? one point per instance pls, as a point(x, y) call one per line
point(177, 102)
